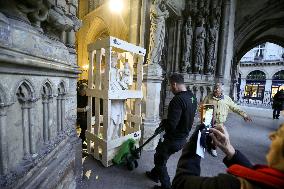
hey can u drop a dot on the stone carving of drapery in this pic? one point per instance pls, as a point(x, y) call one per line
point(51, 17)
point(187, 45)
point(117, 106)
point(213, 30)
point(158, 16)
point(199, 47)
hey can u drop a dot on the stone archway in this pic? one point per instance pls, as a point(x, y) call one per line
point(256, 23)
point(263, 23)
point(98, 23)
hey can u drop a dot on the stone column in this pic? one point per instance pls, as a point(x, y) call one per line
point(49, 120)
point(268, 85)
point(225, 51)
point(31, 130)
point(151, 103)
point(58, 101)
point(70, 38)
point(243, 84)
point(45, 120)
point(25, 129)
point(3, 141)
point(134, 23)
point(62, 101)
point(224, 29)
point(177, 56)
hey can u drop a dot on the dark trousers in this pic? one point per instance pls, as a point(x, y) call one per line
point(82, 119)
point(163, 151)
point(276, 112)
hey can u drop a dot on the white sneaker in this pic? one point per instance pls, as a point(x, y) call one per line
point(214, 153)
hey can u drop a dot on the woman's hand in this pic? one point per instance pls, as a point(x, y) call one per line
point(221, 139)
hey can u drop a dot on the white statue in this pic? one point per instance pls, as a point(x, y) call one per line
point(158, 17)
point(117, 106)
point(125, 76)
point(114, 74)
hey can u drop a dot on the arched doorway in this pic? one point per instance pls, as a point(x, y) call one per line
point(255, 25)
point(99, 23)
point(277, 82)
point(255, 85)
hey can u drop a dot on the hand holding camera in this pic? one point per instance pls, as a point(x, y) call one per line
point(221, 139)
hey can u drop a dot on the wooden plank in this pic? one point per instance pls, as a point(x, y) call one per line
point(117, 43)
point(97, 93)
point(125, 94)
point(106, 119)
point(97, 70)
point(134, 118)
point(123, 45)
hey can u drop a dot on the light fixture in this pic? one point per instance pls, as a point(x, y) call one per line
point(85, 67)
point(115, 5)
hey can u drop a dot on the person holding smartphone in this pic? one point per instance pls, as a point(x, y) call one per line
point(241, 174)
point(222, 104)
point(181, 112)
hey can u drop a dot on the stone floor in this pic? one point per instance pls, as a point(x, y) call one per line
point(250, 138)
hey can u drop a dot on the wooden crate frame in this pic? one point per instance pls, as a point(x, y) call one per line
point(98, 144)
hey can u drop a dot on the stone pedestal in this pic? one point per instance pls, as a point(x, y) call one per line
point(151, 103)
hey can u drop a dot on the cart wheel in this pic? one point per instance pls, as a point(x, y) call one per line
point(130, 165)
point(135, 163)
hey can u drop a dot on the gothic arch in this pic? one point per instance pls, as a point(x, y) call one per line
point(267, 75)
point(47, 88)
point(24, 91)
point(265, 25)
point(96, 24)
point(275, 72)
point(61, 88)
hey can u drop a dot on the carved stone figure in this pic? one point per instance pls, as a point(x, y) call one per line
point(200, 35)
point(125, 76)
point(188, 34)
point(211, 46)
point(158, 16)
point(117, 106)
point(114, 74)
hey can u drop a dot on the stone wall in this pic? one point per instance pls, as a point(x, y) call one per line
point(38, 142)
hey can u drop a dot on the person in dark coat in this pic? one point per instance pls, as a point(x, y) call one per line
point(82, 108)
point(241, 173)
point(278, 103)
point(181, 112)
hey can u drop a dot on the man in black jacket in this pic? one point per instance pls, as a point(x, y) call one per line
point(181, 112)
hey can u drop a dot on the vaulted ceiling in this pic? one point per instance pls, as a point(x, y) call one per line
point(257, 22)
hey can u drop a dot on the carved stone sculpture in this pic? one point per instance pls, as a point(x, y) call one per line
point(114, 74)
point(158, 16)
point(200, 35)
point(211, 45)
point(211, 41)
point(188, 34)
point(125, 76)
point(117, 106)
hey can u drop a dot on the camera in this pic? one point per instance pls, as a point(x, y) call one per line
point(207, 116)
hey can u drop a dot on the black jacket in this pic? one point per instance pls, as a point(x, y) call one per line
point(181, 112)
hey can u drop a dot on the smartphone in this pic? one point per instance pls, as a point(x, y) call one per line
point(207, 115)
